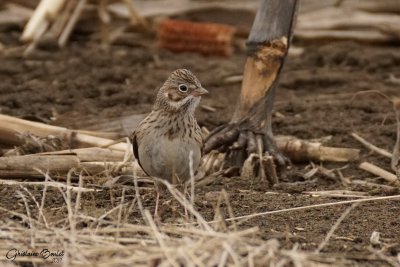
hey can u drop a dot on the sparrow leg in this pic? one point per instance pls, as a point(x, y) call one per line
point(267, 47)
point(156, 215)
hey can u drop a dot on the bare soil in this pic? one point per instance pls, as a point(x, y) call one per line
point(318, 96)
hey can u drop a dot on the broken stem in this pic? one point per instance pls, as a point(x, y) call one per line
point(372, 147)
point(369, 167)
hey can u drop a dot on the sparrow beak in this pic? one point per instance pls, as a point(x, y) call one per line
point(199, 91)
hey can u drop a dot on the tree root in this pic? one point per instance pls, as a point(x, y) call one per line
point(240, 143)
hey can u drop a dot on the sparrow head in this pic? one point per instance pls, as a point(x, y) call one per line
point(181, 92)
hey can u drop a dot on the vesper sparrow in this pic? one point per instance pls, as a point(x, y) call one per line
point(163, 141)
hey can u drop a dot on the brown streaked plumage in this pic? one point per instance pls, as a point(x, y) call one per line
point(163, 140)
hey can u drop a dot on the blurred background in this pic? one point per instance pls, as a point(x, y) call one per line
point(111, 55)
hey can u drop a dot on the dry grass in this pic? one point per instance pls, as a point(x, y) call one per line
point(113, 238)
point(117, 242)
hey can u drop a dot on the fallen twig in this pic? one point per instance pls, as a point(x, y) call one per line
point(338, 193)
point(48, 184)
point(33, 144)
point(91, 154)
point(396, 107)
point(369, 167)
point(372, 147)
point(302, 150)
point(56, 19)
point(370, 184)
point(10, 127)
point(27, 166)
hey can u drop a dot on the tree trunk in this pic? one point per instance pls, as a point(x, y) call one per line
point(250, 128)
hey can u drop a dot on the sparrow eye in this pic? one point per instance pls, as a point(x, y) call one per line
point(183, 88)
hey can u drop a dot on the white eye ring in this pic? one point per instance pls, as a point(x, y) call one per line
point(183, 88)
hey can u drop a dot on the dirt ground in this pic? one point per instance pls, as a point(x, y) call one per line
point(316, 98)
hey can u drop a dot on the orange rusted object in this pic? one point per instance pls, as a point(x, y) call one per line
point(203, 38)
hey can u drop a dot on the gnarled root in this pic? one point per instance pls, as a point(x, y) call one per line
point(241, 143)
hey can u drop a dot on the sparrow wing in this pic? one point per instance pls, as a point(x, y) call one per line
point(135, 147)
